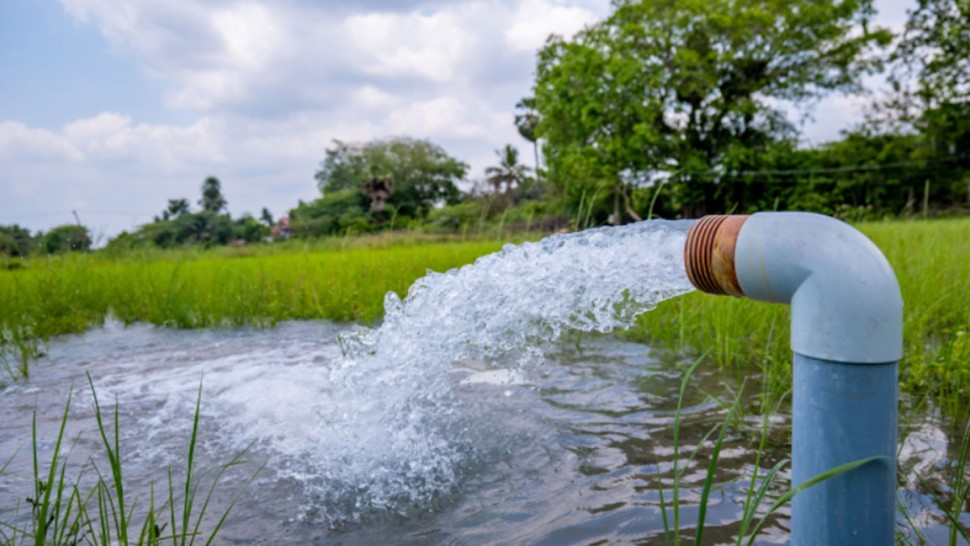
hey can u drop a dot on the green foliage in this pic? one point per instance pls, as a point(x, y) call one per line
point(212, 199)
point(419, 174)
point(205, 228)
point(62, 514)
point(266, 217)
point(683, 91)
point(335, 213)
point(66, 238)
point(179, 227)
point(527, 123)
point(455, 217)
point(249, 230)
point(936, 48)
point(16, 241)
point(508, 174)
point(176, 207)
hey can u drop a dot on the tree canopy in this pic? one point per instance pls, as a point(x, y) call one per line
point(212, 199)
point(509, 173)
point(411, 175)
point(66, 238)
point(687, 90)
point(936, 48)
point(16, 241)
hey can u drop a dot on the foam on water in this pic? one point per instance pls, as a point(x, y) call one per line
point(386, 433)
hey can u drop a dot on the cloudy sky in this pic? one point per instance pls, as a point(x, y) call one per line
point(111, 107)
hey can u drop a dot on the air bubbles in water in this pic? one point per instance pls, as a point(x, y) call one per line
point(388, 435)
point(375, 429)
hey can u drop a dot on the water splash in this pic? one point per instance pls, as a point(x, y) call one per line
point(386, 434)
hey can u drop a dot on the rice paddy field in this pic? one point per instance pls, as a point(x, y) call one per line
point(346, 280)
point(334, 280)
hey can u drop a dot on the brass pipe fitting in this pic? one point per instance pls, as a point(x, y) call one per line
point(709, 254)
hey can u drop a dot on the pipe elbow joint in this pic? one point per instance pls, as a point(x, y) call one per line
point(845, 300)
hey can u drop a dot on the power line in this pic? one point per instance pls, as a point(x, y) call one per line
point(825, 170)
point(69, 212)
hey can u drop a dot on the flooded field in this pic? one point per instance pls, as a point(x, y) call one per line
point(573, 450)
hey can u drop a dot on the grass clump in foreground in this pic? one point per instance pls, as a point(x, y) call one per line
point(61, 513)
point(932, 263)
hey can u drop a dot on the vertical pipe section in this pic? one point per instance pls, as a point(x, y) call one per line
point(842, 413)
point(846, 333)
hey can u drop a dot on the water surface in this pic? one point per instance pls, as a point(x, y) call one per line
point(574, 450)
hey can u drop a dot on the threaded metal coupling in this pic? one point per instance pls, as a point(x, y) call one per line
point(709, 254)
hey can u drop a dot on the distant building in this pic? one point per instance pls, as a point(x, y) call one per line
point(281, 231)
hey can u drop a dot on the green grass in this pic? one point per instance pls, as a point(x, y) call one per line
point(341, 280)
point(932, 263)
point(62, 511)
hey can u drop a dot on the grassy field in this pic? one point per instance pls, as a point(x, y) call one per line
point(346, 279)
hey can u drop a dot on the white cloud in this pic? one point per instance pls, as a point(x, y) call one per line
point(412, 44)
point(250, 33)
point(565, 19)
point(19, 143)
point(447, 117)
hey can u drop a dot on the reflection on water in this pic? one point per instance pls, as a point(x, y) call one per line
point(573, 451)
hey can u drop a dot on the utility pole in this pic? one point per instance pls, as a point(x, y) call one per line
point(76, 219)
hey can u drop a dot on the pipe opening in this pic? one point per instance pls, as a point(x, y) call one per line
point(709, 254)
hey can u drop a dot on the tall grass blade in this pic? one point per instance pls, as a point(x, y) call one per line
point(814, 480)
point(685, 380)
point(189, 498)
point(712, 468)
point(42, 490)
point(961, 489)
point(113, 451)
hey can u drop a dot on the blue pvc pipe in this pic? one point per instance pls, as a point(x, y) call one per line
point(844, 413)
point(847, 336)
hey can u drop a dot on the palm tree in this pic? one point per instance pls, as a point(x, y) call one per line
point(177, 207)
point(212, 199)
point(509, 172)
point(527, 121)
point(267, 217)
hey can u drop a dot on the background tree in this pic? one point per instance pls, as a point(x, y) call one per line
point(935, 52)
point(527, 122)
point(420, 173)
point(338, 211)
point(935, 47)
point(509, 173)
point(176, 207)
point(66, 238)
point(16, 241)
point(684, 91)
point(212, 199)
point(267, 217)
